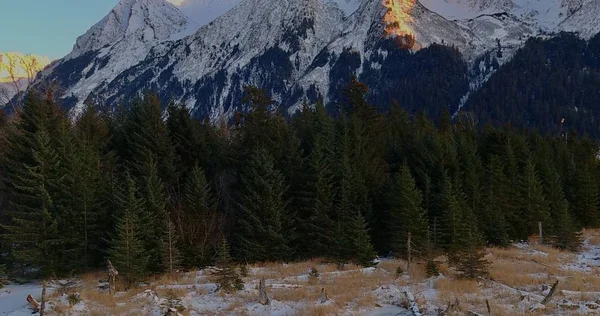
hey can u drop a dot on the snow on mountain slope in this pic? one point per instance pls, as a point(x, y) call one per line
point(585, 21)
point(264, 42)
point(465, 9)
point(202, 52)
point(348, 6)
point(119, 41)
point(533, 15)
point(147, 20)
point(203, 12)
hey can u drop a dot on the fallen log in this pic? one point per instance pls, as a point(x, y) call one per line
point(522, 293)
point(550, 294)
point(34, 304)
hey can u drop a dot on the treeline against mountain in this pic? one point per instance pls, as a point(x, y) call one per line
point(152, 194)
point(546, 81)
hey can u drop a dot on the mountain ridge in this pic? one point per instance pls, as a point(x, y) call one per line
point(290, 48)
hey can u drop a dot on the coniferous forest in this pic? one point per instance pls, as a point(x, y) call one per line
point(155, 192)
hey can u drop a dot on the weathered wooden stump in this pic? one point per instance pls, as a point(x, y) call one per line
point(263, 296)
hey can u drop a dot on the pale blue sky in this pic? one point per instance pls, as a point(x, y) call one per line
point(47, 27)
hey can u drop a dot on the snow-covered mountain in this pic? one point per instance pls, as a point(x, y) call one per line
point(202, 52)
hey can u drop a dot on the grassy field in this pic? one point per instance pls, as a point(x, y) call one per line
point(520, 277)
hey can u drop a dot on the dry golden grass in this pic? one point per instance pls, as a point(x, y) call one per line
point(319, 310)
point(93, 277)
point(172, 293)
point(274, 270)
point(351, 289)
point(592, 236)
point(349, 286)
point(171, 278)
point(61, 309)
point(295, 294)
point(98, 298)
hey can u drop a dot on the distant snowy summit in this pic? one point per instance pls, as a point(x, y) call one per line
point(202, 52)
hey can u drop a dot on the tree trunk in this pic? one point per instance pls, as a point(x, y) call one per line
point(263, 296)
point(324, 297)
point(550, 294)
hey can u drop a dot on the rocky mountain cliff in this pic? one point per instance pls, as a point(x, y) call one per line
point(297, 49)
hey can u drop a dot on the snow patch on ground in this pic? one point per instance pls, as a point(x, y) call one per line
point(13, 299)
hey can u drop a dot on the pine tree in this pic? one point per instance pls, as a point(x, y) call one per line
point(565, 233)
point(261, 229)
point(172, 256)
point(32, 231)
point(147, 140)
point(586, 204)
point(351, 235)
point(200, 223)
point(496, 203)
point(533, 205)
point(227, 277)
point(89, 163)
point(153, 217)
point(452, 217)
point(406, 214)
point(127, 247)
point(318, 201)
point(65, 191)
point(471, 263)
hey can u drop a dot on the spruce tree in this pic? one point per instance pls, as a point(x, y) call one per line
point(262, 227)
point(127, 251)
point(227, 277)
point(565, 234)
point(200, 223)
point(406, 214)
point(147, 140)
point(90, 164)
point(496, 202)
point(318, 201)
point(153, 217)
point(452, 217)
point(171, 255)
point(32, 231)
point(351, 234)
point(586, 197)
point(533, 206)
point(65, 192)
point(470, 261)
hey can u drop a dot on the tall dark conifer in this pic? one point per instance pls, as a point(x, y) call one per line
point(496, 203)
point(153, 218)
point(199, 223)
point(127, 251)
point(533, 206)
point(406, 214)
point(586, 196)
point(32, 229)
point(263, 227)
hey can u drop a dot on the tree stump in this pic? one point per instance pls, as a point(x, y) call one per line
point(112, 277)
point(263, 296)
point(324, 297)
